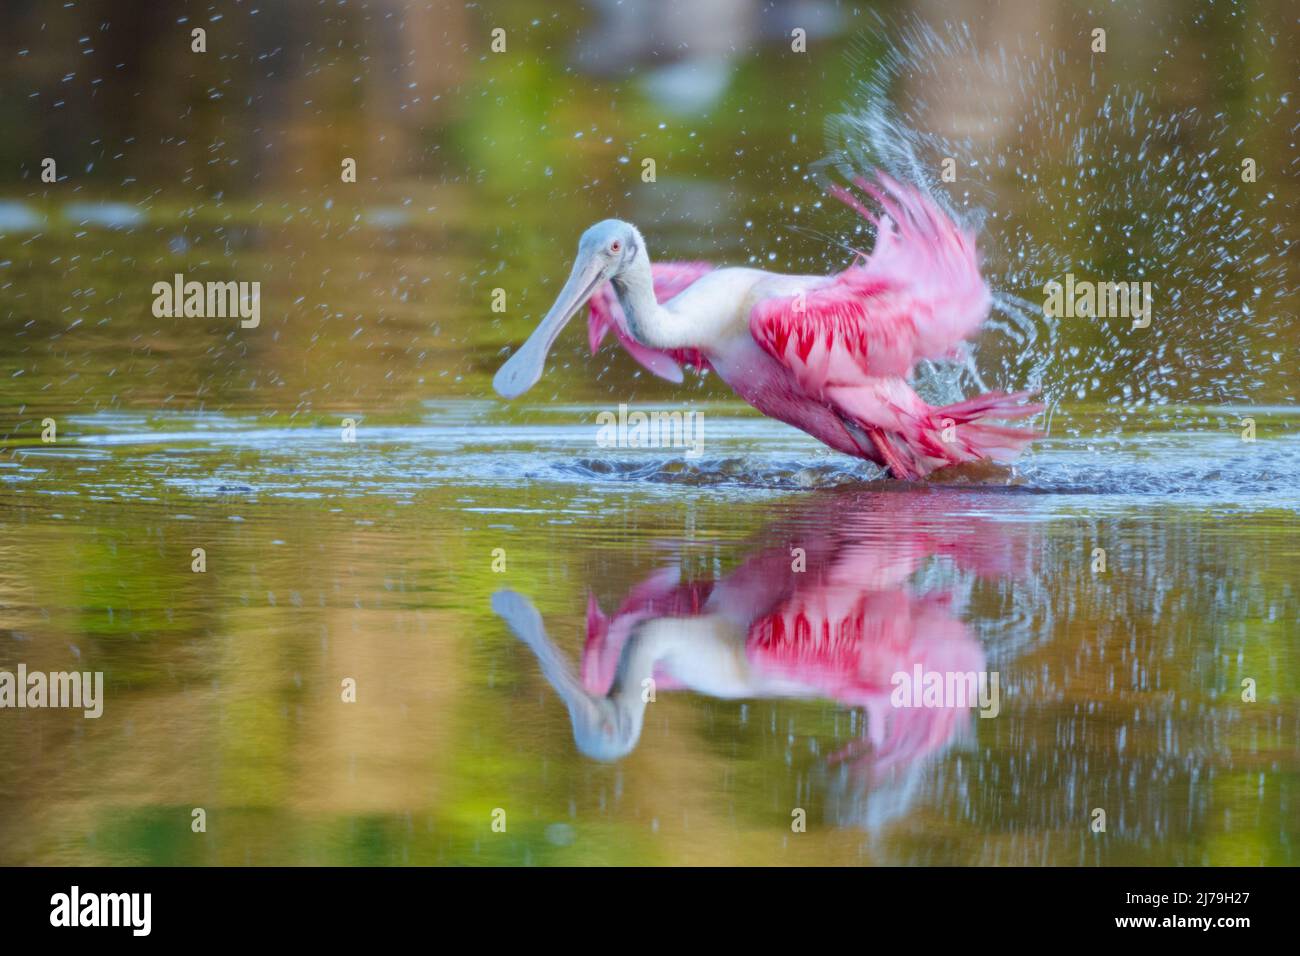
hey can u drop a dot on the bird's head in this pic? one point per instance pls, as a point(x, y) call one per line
point(614, 243)
point(606, 251)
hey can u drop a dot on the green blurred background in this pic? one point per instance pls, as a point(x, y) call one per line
point(478, 170)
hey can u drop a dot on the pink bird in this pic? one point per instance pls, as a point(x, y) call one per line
point(839, 629)
point(830, 355)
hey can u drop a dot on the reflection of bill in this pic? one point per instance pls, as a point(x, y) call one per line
point(842, 630)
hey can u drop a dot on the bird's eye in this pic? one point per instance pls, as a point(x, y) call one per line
point(615, 246)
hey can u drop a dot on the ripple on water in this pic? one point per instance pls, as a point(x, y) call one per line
point(1204, 465)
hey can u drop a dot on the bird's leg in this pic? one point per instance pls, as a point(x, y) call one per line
point(866, 444)
point(887, 452)
point(874, 439)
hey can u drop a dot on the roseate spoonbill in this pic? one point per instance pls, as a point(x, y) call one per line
point(830, 355)
point(840, 629)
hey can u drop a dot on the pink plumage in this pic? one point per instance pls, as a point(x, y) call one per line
point(669, 278)
point(851, 341)
point(840, 630)
point(831, 355)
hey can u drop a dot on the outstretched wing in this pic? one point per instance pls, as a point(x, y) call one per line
point(669, 279)
point(917, 296)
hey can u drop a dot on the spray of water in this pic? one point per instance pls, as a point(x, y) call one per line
point(1069, 173)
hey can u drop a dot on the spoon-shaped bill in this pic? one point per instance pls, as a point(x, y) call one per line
point(525, 367)
point(597, 728)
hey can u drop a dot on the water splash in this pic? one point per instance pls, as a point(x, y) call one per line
point(1103, 180)
point(1175, 460)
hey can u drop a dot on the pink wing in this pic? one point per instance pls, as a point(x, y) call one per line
point(669, 278)
point(917, 296)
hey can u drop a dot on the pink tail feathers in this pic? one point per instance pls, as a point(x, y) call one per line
point(959, 433)
point(966, 433)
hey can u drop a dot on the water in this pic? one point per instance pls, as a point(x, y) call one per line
point(1123, 580)
point(374, 560)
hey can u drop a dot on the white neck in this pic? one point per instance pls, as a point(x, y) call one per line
point(650, 323)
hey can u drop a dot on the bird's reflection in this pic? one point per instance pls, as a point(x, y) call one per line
point(831, 607)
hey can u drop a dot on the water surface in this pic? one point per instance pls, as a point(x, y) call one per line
point(374, 560)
